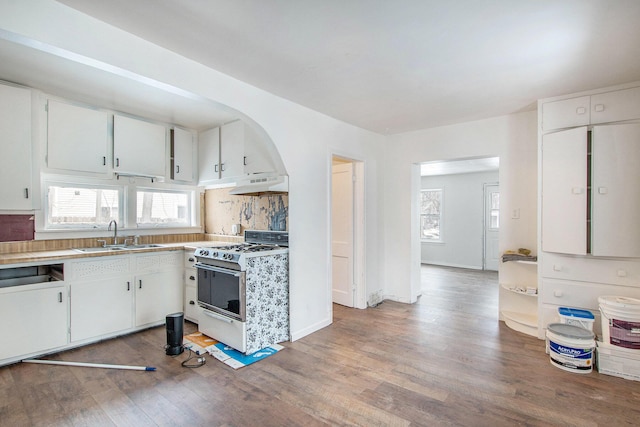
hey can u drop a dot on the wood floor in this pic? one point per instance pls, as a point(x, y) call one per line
point(445, 360)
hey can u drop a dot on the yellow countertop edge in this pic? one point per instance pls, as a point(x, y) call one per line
point(64, 254)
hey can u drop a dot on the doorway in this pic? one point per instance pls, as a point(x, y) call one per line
point(347, 232)
point(461, 218)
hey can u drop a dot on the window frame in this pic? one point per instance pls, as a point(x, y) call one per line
point(133, 211)
point(49, 226)
point(440, 238)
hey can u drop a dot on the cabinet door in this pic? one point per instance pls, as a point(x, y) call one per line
point(209, 155)
point(615, 155)
point(15, 145)
point(139, 147)
point(32, 321)
point(615, 106)
point(565, 113)
point(182, 155)
point(564, 191)
point(157, 295)
point(77, 138)
point(100, 307)
point(257, 158)
point(232, 149)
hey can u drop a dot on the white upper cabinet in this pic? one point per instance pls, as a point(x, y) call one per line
point(257, 159)
point(15, 144)
point(139, 147)
point(564, 191)
point(615, 174)
point(209, 155)
point(181, 155)
point(606, 107)
point(615, 106)
point(589, 203)
point(232, 149)
point(77, 138)
point(566, 113)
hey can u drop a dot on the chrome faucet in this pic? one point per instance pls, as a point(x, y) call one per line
point(115, 231)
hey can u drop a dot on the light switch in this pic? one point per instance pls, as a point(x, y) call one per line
point(622, 273)
point(602, 190)
point(515, 214)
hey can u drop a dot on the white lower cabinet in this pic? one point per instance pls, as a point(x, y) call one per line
point(100, 307)
point(33, 320)
point(118, 294)
point(157, 294)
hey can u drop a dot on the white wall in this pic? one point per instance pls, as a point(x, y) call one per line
point(462, 224)
point(512, 138)
point(305, 140)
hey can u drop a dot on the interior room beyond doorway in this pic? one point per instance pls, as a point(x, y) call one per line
point(458, 228)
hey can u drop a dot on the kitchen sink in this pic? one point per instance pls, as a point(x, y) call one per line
point(100, 249)
point(111, 248)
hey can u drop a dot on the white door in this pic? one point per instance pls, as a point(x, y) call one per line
point(615, 202)
point(342, 234)
point(564, 191)
point(491, 226)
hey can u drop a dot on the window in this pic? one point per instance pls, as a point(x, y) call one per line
point(494, 220)
point(431, 214)
point(77, 206)
point(163, 208)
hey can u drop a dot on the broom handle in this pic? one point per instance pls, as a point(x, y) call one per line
point(91, 365)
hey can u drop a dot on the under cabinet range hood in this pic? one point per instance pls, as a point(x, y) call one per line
point(268, 184)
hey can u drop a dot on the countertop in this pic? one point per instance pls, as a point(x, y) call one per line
point(63, 254)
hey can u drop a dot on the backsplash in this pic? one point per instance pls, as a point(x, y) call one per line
point(262, 212)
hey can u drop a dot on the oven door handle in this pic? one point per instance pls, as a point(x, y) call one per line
point(217, 316)
point(219, 270)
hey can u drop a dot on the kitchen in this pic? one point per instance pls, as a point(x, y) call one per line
point(391, 255)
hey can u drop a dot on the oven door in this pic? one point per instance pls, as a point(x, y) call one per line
point(222, 290)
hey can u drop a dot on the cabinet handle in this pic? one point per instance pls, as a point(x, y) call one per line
point(140, 284)
point(244, 160)
point(215, 168)
point(26, 193)
point(177, 168)
point(192, 278)
point(59, 296)
point(192, 302)
point(104, 161)
point(221, 167)
point(598, 108)
point(117, 162)
point(128, 286)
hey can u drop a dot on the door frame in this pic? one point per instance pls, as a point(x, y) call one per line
point(359, 226)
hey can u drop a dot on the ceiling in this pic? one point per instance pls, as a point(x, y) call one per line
point(393, 67)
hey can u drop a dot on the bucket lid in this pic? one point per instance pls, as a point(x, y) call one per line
point(620, 302)
point(570, 331)
point(576, 313)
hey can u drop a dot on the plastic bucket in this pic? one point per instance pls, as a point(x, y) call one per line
point(576, 317)
point(620, 321)
point(571, 347)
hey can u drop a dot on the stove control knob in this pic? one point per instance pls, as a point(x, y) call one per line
point(204, 252)
point(215, 254)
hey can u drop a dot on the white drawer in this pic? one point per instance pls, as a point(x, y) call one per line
point(189, 258)
point(228, 331)
point(590, 269)
point(581, 294)
point(191, 308)
point(190, 277)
